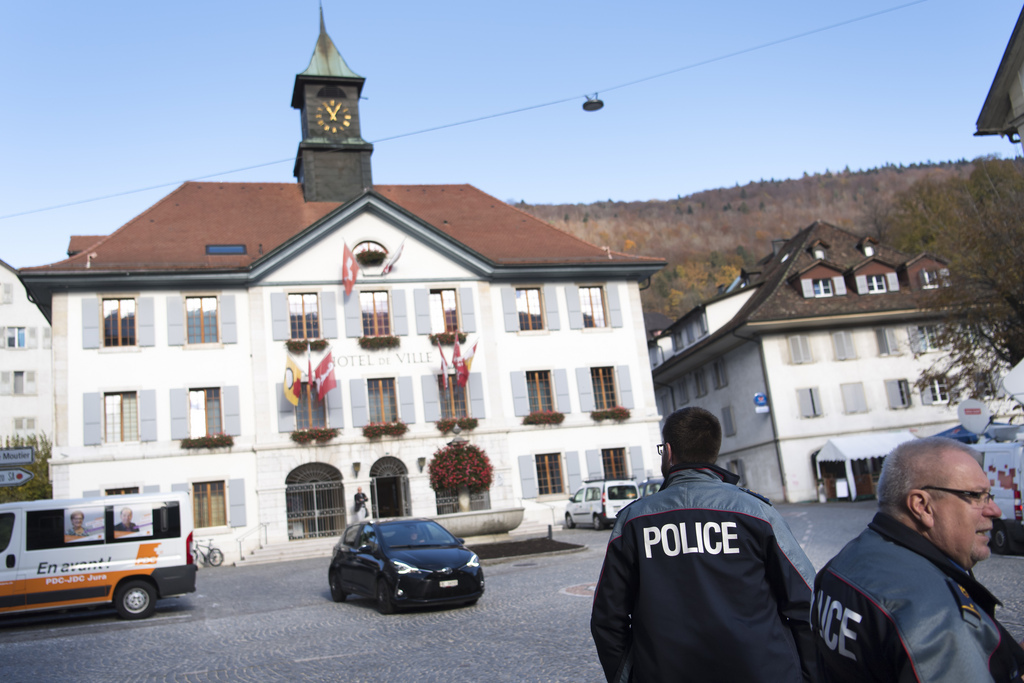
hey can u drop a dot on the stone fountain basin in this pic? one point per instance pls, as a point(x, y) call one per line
point(481, 522)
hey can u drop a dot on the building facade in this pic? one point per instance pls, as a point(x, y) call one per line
point(26, 395)
point(179, 337)
point(826, 339)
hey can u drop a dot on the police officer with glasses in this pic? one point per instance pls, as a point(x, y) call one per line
point(899, 602)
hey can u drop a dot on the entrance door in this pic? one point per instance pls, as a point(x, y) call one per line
point(316, 501)
point(389, 487)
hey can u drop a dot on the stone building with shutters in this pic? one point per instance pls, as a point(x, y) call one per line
point(825, 338)
point(177, 335)
point(26, 396)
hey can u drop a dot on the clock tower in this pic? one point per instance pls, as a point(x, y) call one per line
point(333, 161)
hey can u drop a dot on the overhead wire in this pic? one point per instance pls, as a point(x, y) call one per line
point(694, 65)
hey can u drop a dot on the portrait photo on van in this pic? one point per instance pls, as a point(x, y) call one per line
point(83, 524)
point(132, 521)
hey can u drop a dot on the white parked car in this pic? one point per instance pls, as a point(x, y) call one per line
point(598, 502)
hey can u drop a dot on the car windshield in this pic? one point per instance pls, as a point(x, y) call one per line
point(621, 492)
point(416, 535)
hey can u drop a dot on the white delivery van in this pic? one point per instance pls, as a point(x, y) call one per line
point(598, 502)
point(129, 550)
point(1003, 462)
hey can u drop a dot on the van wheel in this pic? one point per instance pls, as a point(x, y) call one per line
point(569, 524)
point(135, 600)
point(598, 524)
point(1000, 541)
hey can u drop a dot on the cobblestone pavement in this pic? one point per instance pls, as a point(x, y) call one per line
point(277, 623)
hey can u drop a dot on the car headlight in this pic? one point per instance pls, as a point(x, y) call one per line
point(473, 561)
point(404, 567)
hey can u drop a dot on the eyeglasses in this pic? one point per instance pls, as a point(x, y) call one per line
point(661, 449)
point(975, 498)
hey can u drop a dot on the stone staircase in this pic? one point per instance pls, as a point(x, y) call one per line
point(293, 550)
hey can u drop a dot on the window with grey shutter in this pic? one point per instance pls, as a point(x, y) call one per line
point(572, 470)
point(279, 326)
point(406, 400)
point(898, 393)
point(431, 398)
point(175, 321)
point(551, 307)
point(476, 395)
point(92, 419)
point(728, 422)
point(562, 402)
point(353, 317)
point(147, 415)
point(572, 307)
point(147, 322)
point(700, 382)
point(421, 309)
point(886, 339)
point(800, 349)
point(401, 318)
point(810, 402)
point(843, 342)
point(595, 468)
point(8, 293)
point(839, 285)
point(30, 382)
point(718, 373)
point(90, 324)
point(236, 502)
point(862, 284)
point(467, 309)
point(682, 391)
point(636, 461)
point(508, 307)
point(285, 411)
point(329, 315)
point(614, 308)
point(232, 411)
point(520, 396)
point(228, 320)
point(335, 409)
point(853, 398)
point(33, 340)
point(360, 406)
point(807, 286)
point(528, 476)
point(893, 281)
point(179, 413)
point(625, 387)
point(585, 387)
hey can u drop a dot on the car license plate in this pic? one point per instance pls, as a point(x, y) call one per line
point(451, 583)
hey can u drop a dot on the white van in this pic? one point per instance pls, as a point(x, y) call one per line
point(598, 502)
point(1003, 462)
point(129, 550)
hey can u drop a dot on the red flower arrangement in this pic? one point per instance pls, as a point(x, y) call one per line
point(447, 424)
point(544, 417)
point(371, 257)
point(212, 441)
point(446, 338)
point(618, 413)
point(375, 430)
point(318, 434)
point(384, 341)
point(460, 465)
point(300, 345)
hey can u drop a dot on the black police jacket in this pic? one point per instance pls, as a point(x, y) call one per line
point(703, 581)
point(893, 607)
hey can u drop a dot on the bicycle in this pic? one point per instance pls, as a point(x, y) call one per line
point(207, 553)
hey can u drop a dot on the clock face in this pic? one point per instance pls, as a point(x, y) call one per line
point(332, 117)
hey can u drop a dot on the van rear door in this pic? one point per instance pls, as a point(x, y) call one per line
point(12, 591)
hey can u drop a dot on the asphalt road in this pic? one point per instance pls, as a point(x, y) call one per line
point(277, 623)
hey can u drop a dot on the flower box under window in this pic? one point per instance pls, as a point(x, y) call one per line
point(447, 424)
point(386, 341)
point(318, 434)
point(300, 345)
point(376, 430)
point(371, 257)
point(212, 441)
point(544, 417)
point(446, 338)
point(618, 413)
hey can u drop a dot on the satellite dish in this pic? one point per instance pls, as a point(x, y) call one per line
point(974, 415)
point(1013, 383)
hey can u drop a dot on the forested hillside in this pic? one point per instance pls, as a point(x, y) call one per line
point(708, 236)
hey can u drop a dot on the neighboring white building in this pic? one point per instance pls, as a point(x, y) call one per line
point(26, 385)
point(175, 326)
point(826, 340)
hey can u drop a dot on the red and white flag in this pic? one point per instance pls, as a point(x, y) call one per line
point(392, 259)
point(349, 269)
point(324, 377)
point(444, 368)
point(459, 363)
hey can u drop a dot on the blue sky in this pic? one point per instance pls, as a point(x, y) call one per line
point(107, 97)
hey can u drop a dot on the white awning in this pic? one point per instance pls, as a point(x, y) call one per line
point(859, 447)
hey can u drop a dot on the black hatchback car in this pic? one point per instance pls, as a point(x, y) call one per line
point(404, 562)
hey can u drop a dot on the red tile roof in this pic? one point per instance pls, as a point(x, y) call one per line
point(173, 233)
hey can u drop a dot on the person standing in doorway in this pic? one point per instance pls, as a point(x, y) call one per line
point(360, 507)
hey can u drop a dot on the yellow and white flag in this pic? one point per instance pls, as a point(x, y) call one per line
point(292, 382)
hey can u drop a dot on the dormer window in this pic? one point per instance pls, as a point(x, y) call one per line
point(819, 253)
point(822, 288)
point(876, 283)
point(869, 250)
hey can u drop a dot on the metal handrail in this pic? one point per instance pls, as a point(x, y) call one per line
point(250, 532)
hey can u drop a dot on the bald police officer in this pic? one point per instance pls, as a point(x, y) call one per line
point(703, 581)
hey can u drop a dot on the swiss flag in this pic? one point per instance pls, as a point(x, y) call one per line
point(349, 269)
point(324, 376)
point(459, 363)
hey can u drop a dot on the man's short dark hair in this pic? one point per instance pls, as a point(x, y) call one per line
point(694, 434)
